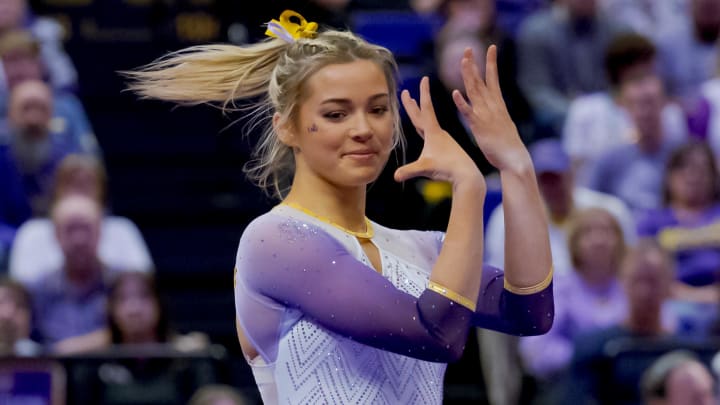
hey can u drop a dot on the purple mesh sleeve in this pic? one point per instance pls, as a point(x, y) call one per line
point(301, 266)
point(503, 311)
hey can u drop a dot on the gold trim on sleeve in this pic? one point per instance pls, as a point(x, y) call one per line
point(531, 289)
point(452, 295)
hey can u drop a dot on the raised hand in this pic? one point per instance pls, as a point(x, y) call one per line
point(488, 117)
point(441, 157)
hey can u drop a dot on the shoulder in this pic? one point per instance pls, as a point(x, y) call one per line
point(35, 227)
point(119, 225)
point(96, 340)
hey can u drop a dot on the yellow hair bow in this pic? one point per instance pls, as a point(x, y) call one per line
point(289, 30)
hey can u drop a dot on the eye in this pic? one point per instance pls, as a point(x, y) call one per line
point(379, 110)
point(335, 115)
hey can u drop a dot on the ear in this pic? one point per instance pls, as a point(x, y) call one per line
point(284, 131)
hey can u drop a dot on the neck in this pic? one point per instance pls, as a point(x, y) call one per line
point(599, 276)
point(690, 208)
point(344, 206)
point(83, 275)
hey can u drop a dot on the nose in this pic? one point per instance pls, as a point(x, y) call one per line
point(361, 130)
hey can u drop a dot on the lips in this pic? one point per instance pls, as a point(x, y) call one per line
point(361, 153)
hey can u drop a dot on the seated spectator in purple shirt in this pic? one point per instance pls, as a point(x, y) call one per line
point(646, 274)
point(73, 301)
point(688, 226)
point(588, 298)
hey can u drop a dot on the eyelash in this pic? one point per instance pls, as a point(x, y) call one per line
point(338, 115)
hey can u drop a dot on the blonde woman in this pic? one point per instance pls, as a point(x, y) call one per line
point(331, 306)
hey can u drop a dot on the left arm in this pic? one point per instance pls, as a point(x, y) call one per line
point(527, 282)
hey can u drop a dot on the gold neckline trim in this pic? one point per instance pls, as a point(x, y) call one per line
point(368, 234)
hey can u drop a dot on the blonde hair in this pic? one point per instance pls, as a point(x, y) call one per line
point(75, 163)
point(575, 234)
point(271, 75)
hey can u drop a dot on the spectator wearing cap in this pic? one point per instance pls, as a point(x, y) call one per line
point(499, 352)
point(562, 197)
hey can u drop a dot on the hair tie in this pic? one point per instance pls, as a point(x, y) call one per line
point(288, 30)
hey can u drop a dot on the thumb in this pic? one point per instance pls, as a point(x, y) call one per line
point(418, 168)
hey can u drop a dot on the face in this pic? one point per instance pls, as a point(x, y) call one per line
point(12, 13)
point(452, 52)
point(598, 244)
point(556, 189)
point(472, 15)
point(691, 384)
point(78, 233)
point(691, 181)
point(21, 65)
point(30, 110)
point(646, 280)
point(14, 318)
point(644, 100)
point(344, 132)
point(135, 308)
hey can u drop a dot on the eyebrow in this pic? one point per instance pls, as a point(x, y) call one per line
point(347, 101)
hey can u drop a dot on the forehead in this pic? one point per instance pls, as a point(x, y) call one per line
point(353, 80)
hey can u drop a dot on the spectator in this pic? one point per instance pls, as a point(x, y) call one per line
point(121, 244)
point(686, 225)
point(136, 316)
point(588, 298)
point(688, 54)
point(71, 301)
point(15, 320)
point(562, 198)
point(37, 146)
point(152, 354)
point(597, 122)
point(646, 274)
point(22, 61)
point(633, 171)
point(16, 14)
point(678, 378)
point(560, 56)
point(499, 352)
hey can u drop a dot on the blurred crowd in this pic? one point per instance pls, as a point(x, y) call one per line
point(617, 100)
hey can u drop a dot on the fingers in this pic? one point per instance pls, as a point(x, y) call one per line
point(491, 71)
point(418, 168)
point(465, 109)
point(426, 105)
point(413, 112)
point(471, 76)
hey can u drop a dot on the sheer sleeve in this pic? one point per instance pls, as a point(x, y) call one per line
point(295, 265)
point(504, 311)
